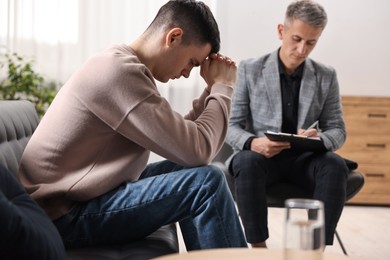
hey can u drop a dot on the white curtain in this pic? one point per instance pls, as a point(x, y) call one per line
point(61, 34)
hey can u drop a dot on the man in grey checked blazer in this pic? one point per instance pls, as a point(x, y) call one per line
point(285, 91)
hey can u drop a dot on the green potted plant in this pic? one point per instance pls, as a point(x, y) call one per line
point(23, 82)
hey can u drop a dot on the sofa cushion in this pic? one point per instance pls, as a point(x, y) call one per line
point(18, 120)
point(161, 242)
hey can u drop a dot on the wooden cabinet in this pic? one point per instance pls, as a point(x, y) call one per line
point(367, 121)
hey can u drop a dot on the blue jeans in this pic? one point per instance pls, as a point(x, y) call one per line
point(197, 198)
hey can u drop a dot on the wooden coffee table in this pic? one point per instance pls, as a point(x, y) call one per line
point(244, 254)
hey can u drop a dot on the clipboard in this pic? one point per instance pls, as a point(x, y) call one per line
point(298, 142)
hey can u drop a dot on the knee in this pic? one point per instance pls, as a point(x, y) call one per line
point(217, 173)
point(247, 163)
point(212, 174)
point(336, 167)
point(214, 179)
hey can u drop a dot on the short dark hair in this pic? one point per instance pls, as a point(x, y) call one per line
point(307, 11)
point(194, 17)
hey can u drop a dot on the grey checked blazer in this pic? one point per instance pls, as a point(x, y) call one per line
point(257, 104)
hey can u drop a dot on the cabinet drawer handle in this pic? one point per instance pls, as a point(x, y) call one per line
point(376, 145)
point(373, 115)
point(375, 175)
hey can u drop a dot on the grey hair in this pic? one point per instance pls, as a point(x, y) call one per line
point(307, 11)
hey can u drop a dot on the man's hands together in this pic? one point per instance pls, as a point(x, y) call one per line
point(218, 69)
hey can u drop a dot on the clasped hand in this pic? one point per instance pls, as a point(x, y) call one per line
point(218, 69)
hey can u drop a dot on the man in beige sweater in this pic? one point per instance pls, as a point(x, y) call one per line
point(86, 164)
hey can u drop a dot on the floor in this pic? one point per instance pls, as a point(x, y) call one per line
point(364, 231)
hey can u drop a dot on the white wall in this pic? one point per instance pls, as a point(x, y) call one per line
point(356, 40)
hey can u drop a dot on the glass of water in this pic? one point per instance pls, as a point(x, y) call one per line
point(304, 236)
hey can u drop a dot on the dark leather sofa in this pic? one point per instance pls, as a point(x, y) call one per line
point(18, 120)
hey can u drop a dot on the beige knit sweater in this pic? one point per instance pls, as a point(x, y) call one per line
point(102, 125)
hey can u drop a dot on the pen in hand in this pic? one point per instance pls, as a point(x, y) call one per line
point(314, 125)
point(309, 132)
